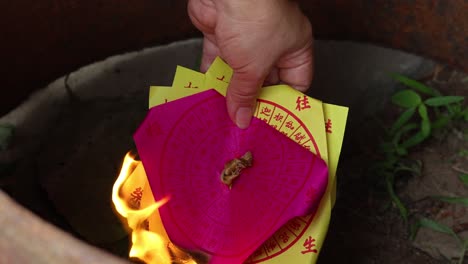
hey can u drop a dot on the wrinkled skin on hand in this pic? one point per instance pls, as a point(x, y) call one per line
point(264, 41)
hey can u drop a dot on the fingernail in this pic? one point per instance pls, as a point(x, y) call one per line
point(243, 117)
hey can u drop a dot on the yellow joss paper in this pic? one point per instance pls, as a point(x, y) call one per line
point(315, 125)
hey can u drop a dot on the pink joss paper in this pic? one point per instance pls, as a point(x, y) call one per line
point(184, 146)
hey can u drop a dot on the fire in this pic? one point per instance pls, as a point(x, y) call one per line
point(133, 200)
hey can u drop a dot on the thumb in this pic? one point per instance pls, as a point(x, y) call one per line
point(242, 95)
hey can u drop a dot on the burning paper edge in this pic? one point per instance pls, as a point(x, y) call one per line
point(147, 246)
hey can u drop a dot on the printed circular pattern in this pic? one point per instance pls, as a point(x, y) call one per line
point(292, 231)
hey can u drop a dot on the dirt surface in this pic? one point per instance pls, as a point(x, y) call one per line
point(367, 228)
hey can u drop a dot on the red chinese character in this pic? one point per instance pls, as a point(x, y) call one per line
point(302, 103)
point(295, 225)
point(266, 111)
point(328, 126)
point(289, 125)
point(257, 253)
point(190, 85)
point(309, 245)
point(306, 147)
point(270, 245)
point(135, 197)
point(278, 117)
point(299, 137)
point(284, 237)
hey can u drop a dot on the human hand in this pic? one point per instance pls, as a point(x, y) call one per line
point(264, 41)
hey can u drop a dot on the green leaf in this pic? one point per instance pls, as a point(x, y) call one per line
point(414, 169)
point(396, 200)
point(403, 119)
point(443, 100)
point(441, 121)
point(406, 99)
point(425, 127)
point(406, 128)
point(453, 200)
point(456, 108)
point(420, 87)
point(425, 123)
point(422, 109)
point(6, 134)
point(464, 114)
point(414, 140)
point(401, 151)
point(464, 178)
point(414, 228)
point(436, 226)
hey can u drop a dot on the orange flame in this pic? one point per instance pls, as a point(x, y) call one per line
point(134, 201)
